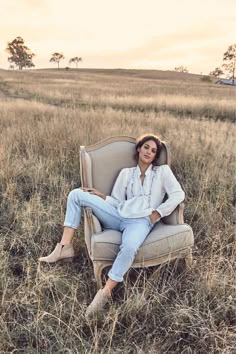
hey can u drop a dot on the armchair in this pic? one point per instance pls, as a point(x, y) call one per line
point(170, 238)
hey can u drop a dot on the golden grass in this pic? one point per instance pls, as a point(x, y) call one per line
point(44, 117)
point(126, 92)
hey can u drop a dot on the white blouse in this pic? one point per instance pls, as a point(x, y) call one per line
point(134, 199)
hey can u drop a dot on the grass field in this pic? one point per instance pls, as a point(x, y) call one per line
point(45, 115)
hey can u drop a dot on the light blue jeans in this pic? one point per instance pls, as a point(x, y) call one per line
point(134, 230)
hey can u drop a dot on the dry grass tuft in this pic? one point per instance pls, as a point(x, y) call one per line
point(44, 117)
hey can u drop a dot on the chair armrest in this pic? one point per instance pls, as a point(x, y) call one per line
point(176, 217)
point(93, 222)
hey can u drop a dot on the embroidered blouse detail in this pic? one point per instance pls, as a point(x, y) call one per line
point(134, 199)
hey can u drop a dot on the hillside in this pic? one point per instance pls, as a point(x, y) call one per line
point(45, 115)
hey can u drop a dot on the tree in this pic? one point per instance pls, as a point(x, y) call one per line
point(229, 60)
point(56, 58)
point(205, 78)
point(181, 69)
point(217, 72)
point(75, 60)
point(20, 54)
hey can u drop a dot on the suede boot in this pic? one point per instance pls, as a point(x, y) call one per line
point(60, 253)
point(97, 304)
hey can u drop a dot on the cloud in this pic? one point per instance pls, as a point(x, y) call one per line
point(19, 12)
point(29, 4)
point(177, 41)
point(44, 32)
point(201, 40)
point(193, 47)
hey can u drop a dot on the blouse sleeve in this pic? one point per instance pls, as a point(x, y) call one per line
point(118, 193)
point(174, 191)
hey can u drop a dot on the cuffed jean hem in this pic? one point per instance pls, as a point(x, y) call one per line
point(115, 278)
point(71, 226)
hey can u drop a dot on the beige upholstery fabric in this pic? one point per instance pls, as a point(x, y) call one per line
point(107, 163)
point(97, 224)
point(163, 240)
point(176, 217)
point(96, 229)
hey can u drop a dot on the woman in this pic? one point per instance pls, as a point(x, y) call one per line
point(134, 207)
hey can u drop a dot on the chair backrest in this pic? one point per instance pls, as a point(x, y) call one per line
point(101, 163)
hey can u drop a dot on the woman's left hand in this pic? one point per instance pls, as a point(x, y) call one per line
point(154, 216)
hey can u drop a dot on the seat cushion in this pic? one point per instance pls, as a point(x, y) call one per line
point(162, 240)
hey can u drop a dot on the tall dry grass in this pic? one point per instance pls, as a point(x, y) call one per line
point(44, 117)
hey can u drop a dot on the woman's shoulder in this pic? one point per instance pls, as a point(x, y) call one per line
point(162, 168)
point(127, 169)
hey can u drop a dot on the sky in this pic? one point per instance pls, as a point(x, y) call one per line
point(137, 34)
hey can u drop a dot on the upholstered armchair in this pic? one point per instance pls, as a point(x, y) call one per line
point(170, 238)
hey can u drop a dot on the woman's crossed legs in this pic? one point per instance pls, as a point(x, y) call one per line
point(134, 232)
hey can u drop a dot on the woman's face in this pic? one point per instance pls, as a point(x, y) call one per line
point(147, 152)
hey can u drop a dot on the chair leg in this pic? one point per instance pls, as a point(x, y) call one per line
point(97, 268)
point(189, 259)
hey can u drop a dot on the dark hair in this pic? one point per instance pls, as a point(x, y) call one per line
point(143, 139)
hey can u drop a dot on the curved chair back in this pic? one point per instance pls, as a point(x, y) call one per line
point(101, 163)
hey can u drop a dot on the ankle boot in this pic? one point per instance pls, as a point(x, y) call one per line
point(97, 304)
point(60, 253)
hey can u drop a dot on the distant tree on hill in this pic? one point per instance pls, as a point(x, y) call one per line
point(181, 69)
point(229, 59)
point(206, 78)
point(75, 60)
point(56, 58)
point(217, 72)
point(20, 54)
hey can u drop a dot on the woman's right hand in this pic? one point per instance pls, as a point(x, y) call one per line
point(154, 216)
point(94, 191)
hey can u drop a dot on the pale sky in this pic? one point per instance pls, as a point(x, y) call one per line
point(139, 34)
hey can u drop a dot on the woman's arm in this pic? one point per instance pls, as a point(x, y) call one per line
point(118, 193)
point(174, 191)
point(94, 191)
